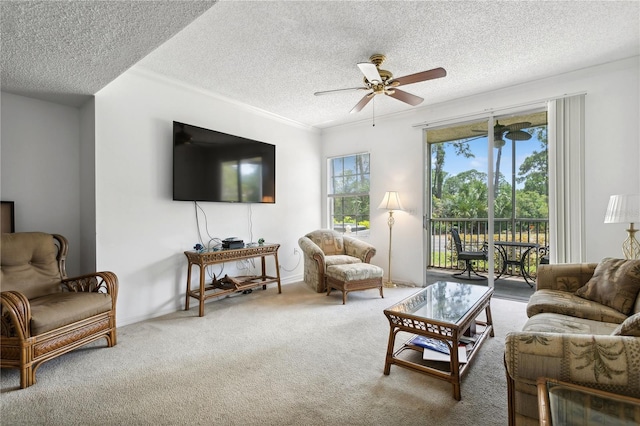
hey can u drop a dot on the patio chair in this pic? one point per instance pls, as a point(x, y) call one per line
point(468, 257)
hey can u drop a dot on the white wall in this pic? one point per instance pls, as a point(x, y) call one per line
point(88, 187)
point(40, 169)
point(142, 233)
point(612, 154)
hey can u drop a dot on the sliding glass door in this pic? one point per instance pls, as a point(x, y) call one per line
point(464, 175)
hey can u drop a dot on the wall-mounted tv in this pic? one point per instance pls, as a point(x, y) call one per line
point(215, 166)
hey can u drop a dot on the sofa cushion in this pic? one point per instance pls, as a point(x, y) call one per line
point(630, 327)
point(562, 302)
point(615, 283)
point(56, 310)
point(558, 323)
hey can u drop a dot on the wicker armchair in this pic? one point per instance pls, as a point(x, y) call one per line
point(325, 247)
point(44, 313)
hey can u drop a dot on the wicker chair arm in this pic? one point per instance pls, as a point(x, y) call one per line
point(358, 248)
point(98, 282)
point(16, 315)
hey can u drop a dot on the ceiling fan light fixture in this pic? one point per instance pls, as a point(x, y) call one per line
point(518, 135)
point(498, 143)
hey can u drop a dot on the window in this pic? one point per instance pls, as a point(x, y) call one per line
point(349, 194)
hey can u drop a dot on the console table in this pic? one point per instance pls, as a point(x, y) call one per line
point(212, 257)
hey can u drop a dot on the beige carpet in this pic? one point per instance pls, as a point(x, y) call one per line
point(296, 358)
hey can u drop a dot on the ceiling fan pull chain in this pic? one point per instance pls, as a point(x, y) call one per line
point(373, 112)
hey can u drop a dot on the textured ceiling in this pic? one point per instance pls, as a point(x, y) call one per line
point(66, 51)
point(273, 55)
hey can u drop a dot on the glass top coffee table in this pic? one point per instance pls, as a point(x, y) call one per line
point(444, 313)
point(562, 403)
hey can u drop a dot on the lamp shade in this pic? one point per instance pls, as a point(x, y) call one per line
point(391, 201)
point(623, 208)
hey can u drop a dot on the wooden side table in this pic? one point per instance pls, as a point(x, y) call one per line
point(204, 259)
point(561, 403)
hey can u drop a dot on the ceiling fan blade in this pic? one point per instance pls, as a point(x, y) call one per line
point(370, 71)
point(405, 97)
point(349, 89)
point(364, 101)
point(518, 126)
point(419, 76)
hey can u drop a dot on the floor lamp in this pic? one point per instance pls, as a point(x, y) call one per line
point(391, 202)
point(626, 209)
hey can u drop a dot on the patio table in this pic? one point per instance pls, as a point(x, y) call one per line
point(516, 253)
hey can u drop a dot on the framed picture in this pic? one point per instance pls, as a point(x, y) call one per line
point(7, 217)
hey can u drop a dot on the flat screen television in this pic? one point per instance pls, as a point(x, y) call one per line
point(215, 166)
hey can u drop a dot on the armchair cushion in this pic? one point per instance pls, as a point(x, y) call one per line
point(29, 264)
point(330, 242)
point(340, 259)
point(56, 310)
point(615, 283)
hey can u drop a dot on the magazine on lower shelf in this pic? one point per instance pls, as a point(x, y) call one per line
point(437, 350)
point(431, 343)
point(431, 355)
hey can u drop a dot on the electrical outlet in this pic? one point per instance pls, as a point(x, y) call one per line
point(295, 250)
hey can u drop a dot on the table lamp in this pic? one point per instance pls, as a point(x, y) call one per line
point(625, 208)
point(391, 202)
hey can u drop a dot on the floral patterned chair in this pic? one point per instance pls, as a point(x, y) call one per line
point(44, 313)
point(583, 328)
point(325, 247)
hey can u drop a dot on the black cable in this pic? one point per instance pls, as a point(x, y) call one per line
point(250, 224)
point(208, 245)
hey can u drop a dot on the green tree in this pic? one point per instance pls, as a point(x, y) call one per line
point(438, 151)
point(465, 195)
point(534, 170)
point(531, 205)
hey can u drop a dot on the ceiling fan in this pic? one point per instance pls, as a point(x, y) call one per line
point(378, 82)
point(512, 132)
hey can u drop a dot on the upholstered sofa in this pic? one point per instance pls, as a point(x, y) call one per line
point(326, 247)
point(44, 313)
point(583, 328)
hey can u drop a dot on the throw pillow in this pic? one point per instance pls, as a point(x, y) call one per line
point(615, 283)
point(630, 327)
